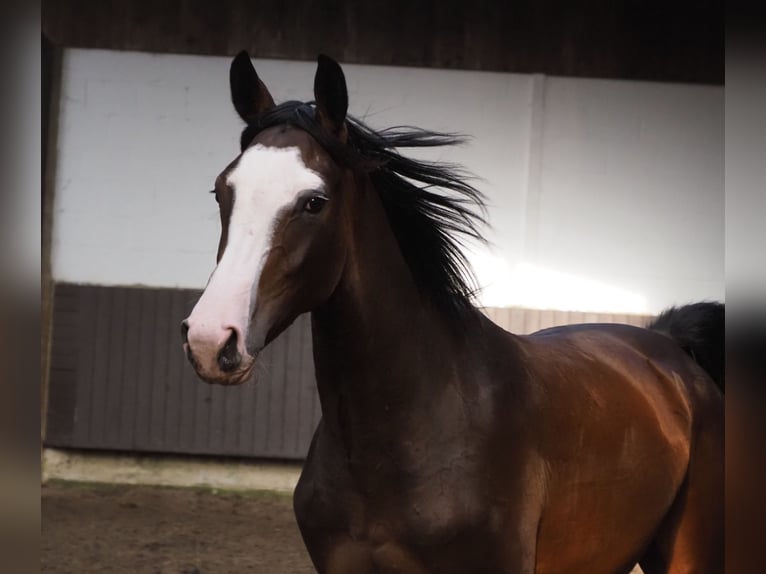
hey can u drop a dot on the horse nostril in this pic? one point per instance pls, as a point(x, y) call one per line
point(185, 331)
point(229, 357)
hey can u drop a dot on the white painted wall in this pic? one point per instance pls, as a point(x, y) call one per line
point(604, 195)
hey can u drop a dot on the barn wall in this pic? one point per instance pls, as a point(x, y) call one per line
point(604, 195)
point(630, 190)
point(119, 379)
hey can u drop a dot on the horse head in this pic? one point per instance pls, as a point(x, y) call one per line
point(280, 252)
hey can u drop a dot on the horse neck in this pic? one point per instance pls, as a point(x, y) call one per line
point(380, 347)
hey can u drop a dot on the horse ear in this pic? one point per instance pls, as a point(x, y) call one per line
point(248, 93)
point(331, 96)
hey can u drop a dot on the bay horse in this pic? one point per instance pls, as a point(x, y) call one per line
point(446, 444)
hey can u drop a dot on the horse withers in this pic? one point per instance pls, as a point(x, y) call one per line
point(446, 444)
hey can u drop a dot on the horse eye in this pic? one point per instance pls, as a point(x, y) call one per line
point(315, 203)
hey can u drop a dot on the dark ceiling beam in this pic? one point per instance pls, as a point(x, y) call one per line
point(671, 41)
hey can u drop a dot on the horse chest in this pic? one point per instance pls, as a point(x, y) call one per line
point(395, 529)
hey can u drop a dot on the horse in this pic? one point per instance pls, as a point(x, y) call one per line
point(447, 444)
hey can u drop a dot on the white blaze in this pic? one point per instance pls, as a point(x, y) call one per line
point(265, 181)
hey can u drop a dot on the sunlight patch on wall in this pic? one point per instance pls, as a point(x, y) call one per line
point(532, 286)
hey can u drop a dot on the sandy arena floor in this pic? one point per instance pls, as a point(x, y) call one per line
point(143, 529)
point(121, 529)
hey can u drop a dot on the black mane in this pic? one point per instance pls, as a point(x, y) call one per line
point(430, 206)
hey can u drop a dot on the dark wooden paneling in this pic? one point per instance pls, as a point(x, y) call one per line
point(119, 381)
point(680, 41)
point(62, 397)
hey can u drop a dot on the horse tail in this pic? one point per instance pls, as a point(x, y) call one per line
point(699, 329)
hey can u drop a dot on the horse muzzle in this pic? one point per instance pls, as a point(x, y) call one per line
point(217, 354)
